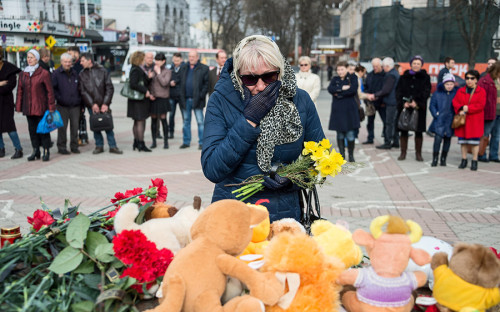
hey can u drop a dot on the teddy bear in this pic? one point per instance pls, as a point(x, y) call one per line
point(469, 280)
point(310, 274)
point(385, 286)
point(160, 210)
point(197, 276)
point(336, 241)
point(171, 233)
point(285, 225)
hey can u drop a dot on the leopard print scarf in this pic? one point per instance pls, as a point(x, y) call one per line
point(282, 124)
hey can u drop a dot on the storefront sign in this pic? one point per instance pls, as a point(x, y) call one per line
point(117, 52)
point(56, 29)
point(20, 25)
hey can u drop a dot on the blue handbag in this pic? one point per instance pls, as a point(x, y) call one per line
point(50, 122)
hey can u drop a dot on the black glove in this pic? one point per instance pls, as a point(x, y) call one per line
point(259, 105)
point(277, 182)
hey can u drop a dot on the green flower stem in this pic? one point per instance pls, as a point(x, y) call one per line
point(260, 188)
point(27, 305)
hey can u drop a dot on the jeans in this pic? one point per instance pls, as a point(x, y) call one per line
point(390, 132)
point(186, 130)
point(71, 115)
point(99, 139)
point(488, 127)
point(495, 138)
point(349, 135)
point(14, 138)
point(171, 118)
point(370, 125)
point(437, 143)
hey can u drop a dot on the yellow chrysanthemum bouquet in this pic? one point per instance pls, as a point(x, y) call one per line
point(318, 161)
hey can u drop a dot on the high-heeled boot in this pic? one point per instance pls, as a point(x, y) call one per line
point(46, 154)
point(463, 164)
point(435, 157)
point(418, 148)
point(473, 165)
point(35, 154)
point(443, 159)
point(341, 147)
point(141, 146)
point(403, 145)
point(164, 125)
point(154, 131)
point(350, 148)
point(134, 146)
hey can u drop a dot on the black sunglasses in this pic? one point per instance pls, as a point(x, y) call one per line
point(304, 65)
point(251, 80)
point(470, 78)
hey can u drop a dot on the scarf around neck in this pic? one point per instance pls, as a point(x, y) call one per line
point(282, 124)
point(31, 69)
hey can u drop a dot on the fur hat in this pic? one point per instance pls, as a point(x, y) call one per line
point(448, 77)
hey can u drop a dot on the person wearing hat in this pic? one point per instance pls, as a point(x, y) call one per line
point(441, 108)
point(412, 92)
point(35, 96)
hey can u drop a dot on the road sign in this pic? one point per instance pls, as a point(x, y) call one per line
point(50, 41)
point(84, 48)
point(4, 38)
point(133, 35)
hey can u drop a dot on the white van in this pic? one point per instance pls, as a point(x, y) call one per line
point(207, 56)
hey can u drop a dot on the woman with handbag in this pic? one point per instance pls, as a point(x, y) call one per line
point(412, 92)
point(469, 102)
point(344, 116)
point(139, 110)
point(34, 96)
point(160, 90)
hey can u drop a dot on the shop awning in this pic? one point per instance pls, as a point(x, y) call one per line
point(93, 35)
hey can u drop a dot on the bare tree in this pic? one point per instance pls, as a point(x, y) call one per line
point(312, 15)
point(473, 17)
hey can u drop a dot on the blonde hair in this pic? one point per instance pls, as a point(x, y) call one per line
point(137, 58)
point(254, 50)
point(305, 58)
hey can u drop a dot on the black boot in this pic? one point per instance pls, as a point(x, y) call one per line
point(418, 148)
point(34, 155)
point(46, 154)
point(135, 144)
point(154, 131)
point(443, 158)
point(141, 146)
point(404, 146)
point(463, 164)
point(17, 154)
point(435, 157)
point(473, 165)
point(2, 152)
point(341, 146)
point(350, 148)
point(164, 125)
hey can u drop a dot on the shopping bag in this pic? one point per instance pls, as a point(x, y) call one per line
point(50, 122)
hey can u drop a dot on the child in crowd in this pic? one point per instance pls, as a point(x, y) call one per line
point(441, 108)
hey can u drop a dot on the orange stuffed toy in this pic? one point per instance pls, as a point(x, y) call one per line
point(385, 286)
point(196, 278)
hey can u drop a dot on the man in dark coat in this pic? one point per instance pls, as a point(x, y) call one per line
point(65, 83)
point(373, 83)
point(96, 90)
point(213, 75)
point(75, 53)
point(388, 96)
point(194, 88)
point(449, 63)
point(8, 77)
point(175, 87)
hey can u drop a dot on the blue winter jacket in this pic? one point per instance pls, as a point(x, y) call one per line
point(441, 109)
point(230, 142)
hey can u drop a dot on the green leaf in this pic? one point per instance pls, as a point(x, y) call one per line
point(85, 268)
point(77, 230)
point(117, 264)
point(67, 260)
point(105, 253)
point(93, 240)
point(142, 212)
point(126, 282)
point(62, 238)
point(82, 306)
point(92, 280)
point(44, 252)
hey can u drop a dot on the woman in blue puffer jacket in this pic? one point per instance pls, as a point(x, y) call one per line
point(441, 109)
point(257, 119)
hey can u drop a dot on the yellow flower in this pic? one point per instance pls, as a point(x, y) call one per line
point(331, 165)
point(309, 147)
point(313, 172)
point(325, 143)
point(319, 153)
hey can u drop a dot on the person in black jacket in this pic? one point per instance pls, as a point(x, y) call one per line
point(139, 110)
point(412, 92)
point(373, 83)
point(65, 84)
point(344, 117)
point(175, 87)
point(194, 88)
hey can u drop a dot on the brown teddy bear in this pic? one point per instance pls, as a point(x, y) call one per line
point(197, 277)
point(469, 280)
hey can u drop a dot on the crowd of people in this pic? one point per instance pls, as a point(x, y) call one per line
point(384, 90)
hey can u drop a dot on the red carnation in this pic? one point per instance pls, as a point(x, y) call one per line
point(111, 214)
point(40, 218)
point(161, 189)
point(118, 197)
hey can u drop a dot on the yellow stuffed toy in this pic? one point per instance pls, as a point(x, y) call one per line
point(336, 241)
point(298, 255)
point(259, 233)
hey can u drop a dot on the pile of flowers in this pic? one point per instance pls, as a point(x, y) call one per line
point(74, 262)
point(317, 161)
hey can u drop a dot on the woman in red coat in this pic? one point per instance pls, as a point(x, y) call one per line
point(34, 96)
point(470, 101)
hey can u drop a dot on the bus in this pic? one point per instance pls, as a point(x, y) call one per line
point(207, 56)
